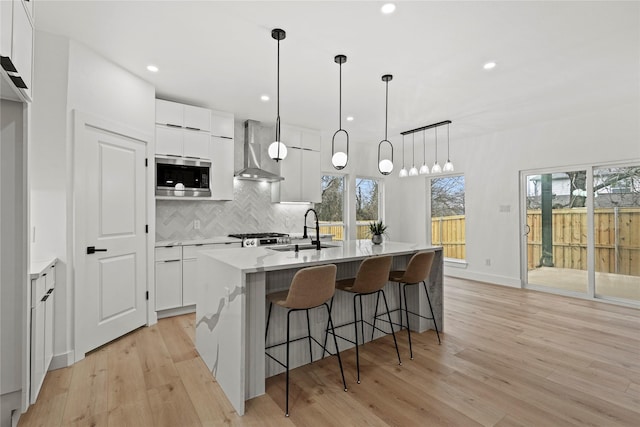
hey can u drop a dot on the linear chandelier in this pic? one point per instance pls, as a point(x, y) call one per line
point(424, 169)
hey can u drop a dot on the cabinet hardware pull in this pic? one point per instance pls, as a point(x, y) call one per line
point(172, 260)
point(173, 126)
point(190, 128)
point(44, 298)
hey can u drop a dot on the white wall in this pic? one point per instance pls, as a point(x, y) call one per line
point(71, 77)
point(492, 163)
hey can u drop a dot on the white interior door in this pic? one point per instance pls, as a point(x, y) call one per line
point(111, 283)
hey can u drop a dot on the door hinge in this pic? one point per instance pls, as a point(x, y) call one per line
point(146, 228)
point(147, 295)
point(146, 162)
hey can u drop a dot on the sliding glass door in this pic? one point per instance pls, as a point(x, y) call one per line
point(581, 233)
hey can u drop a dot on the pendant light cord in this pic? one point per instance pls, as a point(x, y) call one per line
point(436, 129)
point(413, 149)
point(386, 116)
point(278, 100)
point(402, 151)
point(448, 157)
point(340, 99)
point(424, 149)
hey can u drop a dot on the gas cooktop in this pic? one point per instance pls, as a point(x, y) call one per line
point(257, 235)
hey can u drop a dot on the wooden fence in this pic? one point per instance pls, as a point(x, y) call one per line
point(449, 232)
point(617, 239)
point(362, 231)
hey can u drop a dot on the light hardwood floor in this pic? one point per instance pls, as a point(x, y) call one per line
point(509, 357)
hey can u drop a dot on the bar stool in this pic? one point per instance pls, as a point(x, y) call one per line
point(417, 272)
point(372, 275)
point(310, 287)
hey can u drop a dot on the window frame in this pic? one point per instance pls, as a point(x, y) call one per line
point(381, 200)
point(345, 191)
point(454, 262)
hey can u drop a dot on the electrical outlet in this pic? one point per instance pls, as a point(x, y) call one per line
point(196, 224)
point(487, 261)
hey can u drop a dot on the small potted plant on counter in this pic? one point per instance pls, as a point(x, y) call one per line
point(377, 229)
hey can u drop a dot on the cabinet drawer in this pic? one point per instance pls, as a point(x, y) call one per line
point(50, 278)
point(170, 253)
point(38, 289)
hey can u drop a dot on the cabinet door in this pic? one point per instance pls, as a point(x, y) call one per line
point(169, 113)
point(291, 170)
point(222, 158)
point(291, 136)
point(311, 190)
point(196, 144)
point(189, 278)
point(48, 330)
point(196, 118)
point(28, 4)
point(168, 284)
point(37, 348)
point(222, 124)
point(311, 140)
point(6, 27)
point(22, 51)
point(169, 141)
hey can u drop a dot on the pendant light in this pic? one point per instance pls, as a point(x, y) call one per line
point(403, 172)
point(424, 169)
point(277, 150)
point(339, 159)
point(385, 165)
point(413, 171)
point(448, 167)
point(436, 167)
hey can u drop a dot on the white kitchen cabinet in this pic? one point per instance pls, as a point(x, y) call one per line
point(222, 124)
point(42, 320)
point(169, 113)
point(16, 47)
point(168, 277)
point(195, 144)
point(169, 141)
point(222, 162)
point(301, 169)
point(197, 118)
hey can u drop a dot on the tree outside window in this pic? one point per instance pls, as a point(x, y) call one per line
point(448, 215)
point(367, 205)
point(331, 209)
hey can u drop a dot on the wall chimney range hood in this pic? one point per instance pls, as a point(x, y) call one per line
point(252, 169)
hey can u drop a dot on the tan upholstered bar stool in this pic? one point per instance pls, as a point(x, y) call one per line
point(372, 275)
point(310, 288)
point(417, 272)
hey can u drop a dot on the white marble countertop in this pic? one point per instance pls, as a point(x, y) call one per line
point(251, 260)
point(298, 236)
point(37, 267)
point(209, 241)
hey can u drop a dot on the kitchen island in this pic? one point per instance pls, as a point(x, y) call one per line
point(231, 307)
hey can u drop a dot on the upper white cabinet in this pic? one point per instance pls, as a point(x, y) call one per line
point(16, 49)
point(301, 168)
point(179, 115)
point(222, 124)
point(222, 158)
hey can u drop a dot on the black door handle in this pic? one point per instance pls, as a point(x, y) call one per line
point(93, 250)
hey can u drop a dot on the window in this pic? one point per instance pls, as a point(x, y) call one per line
point(367, 205)
point(331, 210)
point(447, 215)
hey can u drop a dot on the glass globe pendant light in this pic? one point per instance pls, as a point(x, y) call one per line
point(413, 171)
point(436, 167)
point(277, 150)
point(385, 165)
point(339, 159)
point(448, 167)
point(403, 172)
point(424, 169)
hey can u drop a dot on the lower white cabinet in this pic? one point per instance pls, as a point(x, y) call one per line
point(177, 274)
point(42, 309)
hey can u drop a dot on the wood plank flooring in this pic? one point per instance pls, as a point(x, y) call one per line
point(509, 357)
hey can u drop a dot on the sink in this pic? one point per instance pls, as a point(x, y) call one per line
point(304, 247)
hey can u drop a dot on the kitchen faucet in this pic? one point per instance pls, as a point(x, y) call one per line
point(304, 236)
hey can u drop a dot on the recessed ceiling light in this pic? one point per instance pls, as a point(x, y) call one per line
point(264, 98)
point(152, 68)
point(489, 65)
point(349, 118)
point(388, 8)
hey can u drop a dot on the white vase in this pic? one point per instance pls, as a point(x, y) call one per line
point(376, 239)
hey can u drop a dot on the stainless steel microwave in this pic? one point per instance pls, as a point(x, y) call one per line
point(180, 177)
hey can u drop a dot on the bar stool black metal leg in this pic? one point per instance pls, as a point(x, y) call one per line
point(400, 305)
point(384, 298)
point(309, 334)
point(266, 331)
point(326, 330)
point(355, 324)
point(406, 311)
point(335, 342)
point(435, 325)
point(375, 316)
point(286, 413)
point(361, 320)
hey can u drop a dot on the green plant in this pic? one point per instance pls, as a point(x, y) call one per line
point(377, 227)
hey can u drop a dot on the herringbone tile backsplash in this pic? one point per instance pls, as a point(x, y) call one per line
point(251, 211)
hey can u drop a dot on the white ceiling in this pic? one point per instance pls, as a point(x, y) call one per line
point(554, 58)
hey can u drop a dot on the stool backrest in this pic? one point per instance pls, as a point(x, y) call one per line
point(419, 267)
point(372, 275)
point(312, 286)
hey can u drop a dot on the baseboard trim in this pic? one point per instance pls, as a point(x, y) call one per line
point(482, 277)
point(176, 311)
point(61, 360)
